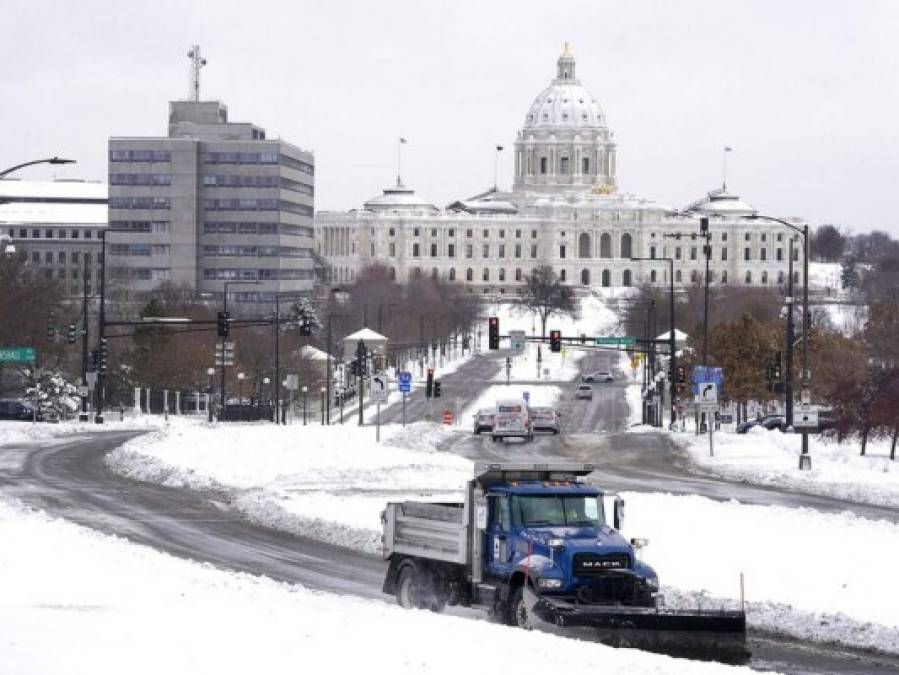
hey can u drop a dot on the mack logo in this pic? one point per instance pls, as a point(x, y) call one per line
point(600, 564)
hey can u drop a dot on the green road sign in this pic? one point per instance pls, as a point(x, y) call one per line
point(615, 341)
point(17, 354)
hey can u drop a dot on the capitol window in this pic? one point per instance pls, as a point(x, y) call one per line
point(534, 251)
point(764, 236)
point(562, 276)
point(518, 274)
point(502, 250)
point(763, 254)
point(452, 232)
point(518, 234)
point(533, 234)
point(433, 250)
point(486, 233)
point(585, 161)
point(748, 277)
point(486, 275)
point(469, 275)
point(415, 232)
point(677, 253)
point(780, 254)
point(724, 236)
point(724, 277)
point(652, 276)
point(392, 250)
point(391, 232)
point(502, 274)
point(469, 233)
point(563, 161)
point(469, 251)
point(502, 234)
point(543, 162)
point(562, 251)
point(485, 251)
point(724, 253)
point(747, 253)
point(415, 250)
point(517, 250)
point(451, 251)
point(746, 236)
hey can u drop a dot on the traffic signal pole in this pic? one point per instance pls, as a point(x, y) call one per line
point(85, 339)
point(788, 386)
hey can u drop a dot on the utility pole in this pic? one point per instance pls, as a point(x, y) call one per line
point(788, 386)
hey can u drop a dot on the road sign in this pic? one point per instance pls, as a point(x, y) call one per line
point(708, 374)
point(805, 419)
point(17, 355)
point(448, 417)
point(615, 341)
point(405, 381)
point(379, 389)
point(293, 382)
point(708, 393)
point(517, 337)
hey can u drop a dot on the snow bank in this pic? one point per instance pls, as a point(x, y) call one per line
point(20, 432)
point(329, 483)
point(772, 458)
point(109, 607)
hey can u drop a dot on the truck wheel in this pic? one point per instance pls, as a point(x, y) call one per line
point(415, 590)
point(518, 611)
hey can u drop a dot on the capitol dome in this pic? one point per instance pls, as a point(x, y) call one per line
point(565, 102)
point(565, 142)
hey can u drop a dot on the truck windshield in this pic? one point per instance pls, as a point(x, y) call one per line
point(559, 510)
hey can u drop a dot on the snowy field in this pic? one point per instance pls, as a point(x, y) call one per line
point(772, 458)
point(797, 579)
point(110, 607)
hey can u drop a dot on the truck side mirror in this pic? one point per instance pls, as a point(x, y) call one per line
point(618, 513)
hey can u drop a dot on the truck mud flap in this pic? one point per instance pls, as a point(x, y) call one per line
point(718, 635)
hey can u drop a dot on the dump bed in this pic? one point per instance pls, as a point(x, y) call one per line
point(437, 531)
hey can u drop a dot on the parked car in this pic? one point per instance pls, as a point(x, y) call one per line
point(768, 422)
point(16, 411)
point(598, 376)
point(584, 391)
point(483, 420)
point(545, 419)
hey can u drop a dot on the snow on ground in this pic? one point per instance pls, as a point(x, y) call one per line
point(827, 276)
point(802, 567)
point(107, 607)
point(18, 432)
point(772, 458)
point(330, 483)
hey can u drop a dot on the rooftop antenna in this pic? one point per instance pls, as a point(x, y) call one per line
point(727, 149)
point(196, 62)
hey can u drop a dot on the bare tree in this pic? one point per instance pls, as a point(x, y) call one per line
point(546, 295)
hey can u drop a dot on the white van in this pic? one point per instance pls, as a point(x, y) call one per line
point(512, 419)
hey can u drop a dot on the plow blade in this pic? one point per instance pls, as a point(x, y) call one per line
point(718, 635)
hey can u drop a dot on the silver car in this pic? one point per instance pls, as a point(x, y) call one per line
point(483, 420)
point(584, 391)
point(545, 419)
point(598, 376)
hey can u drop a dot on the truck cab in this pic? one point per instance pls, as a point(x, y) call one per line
point(556, 534)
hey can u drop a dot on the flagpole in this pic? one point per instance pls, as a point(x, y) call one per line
point(727, 149)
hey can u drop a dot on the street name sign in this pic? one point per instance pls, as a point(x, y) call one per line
point(17, 354)
point(804, 419)
point(615, 341)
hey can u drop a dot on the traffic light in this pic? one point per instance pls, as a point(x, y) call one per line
point(72, 336)
point(681, 375)
point(436, 388)
point(222, 324)
point(493, 325)
point(777, 373)
point(103, 357)
point(555, 340)
point(95, 359)
point(429, 388)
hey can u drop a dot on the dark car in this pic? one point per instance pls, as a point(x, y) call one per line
point(769, 422)
point(15, 411)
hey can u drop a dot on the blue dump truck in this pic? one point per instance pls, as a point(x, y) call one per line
point(531, 543)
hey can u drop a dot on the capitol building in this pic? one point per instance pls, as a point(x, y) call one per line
point(564, 210)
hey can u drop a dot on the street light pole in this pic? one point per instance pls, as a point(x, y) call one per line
point(805, 460)
point(788, 388)
point(671, 343)
point(50, 160)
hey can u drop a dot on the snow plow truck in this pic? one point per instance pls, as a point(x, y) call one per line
point(531, 544)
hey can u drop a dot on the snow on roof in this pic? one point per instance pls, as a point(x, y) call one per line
point(79, 202)
point(313, 353)
point(679, 335)
point(365, 334)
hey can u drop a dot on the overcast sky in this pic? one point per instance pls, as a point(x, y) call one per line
point(806, 93)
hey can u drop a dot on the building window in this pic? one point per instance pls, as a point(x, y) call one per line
point(416, 232)
point(469, 275)
point(764, 277)
point(585, 165)
point(747, 253)
point(724, 277)
point(693, 253)
point(652, 252)
point(652, 276)
point(517, 250)
point(485, 250)
point(502, 250)
point(543, 165)
point(392, 248)
point(677, 254)
point(563, 165)
point(469, 251)
point(469, 233)
point(533, 251)
point(452, 232)
point(693, 276)
point(780, 237)
point(433, 250)
point(764, 236)
point(433, 232)
point(391, 232)
point(746, 236)
point(585, 277)
point(485, 275)
point(452, 274)
point(606, 279)
point(415, 250)
point(678, 277)
point(724, 253)
point(518, 274)
point(780, 277)
point(486, 233)
point(748, 276)
point(763, 254)
point(626, 279)
point(371, 249)
point(780, 254)
point(795, 254)
point(562, 276)
point(724, 236)
point(562, 251)
point(605, 245)
point(518, 234)
point(502, 273)
point(502, 234)
point(533, 234)
point(451, 251)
